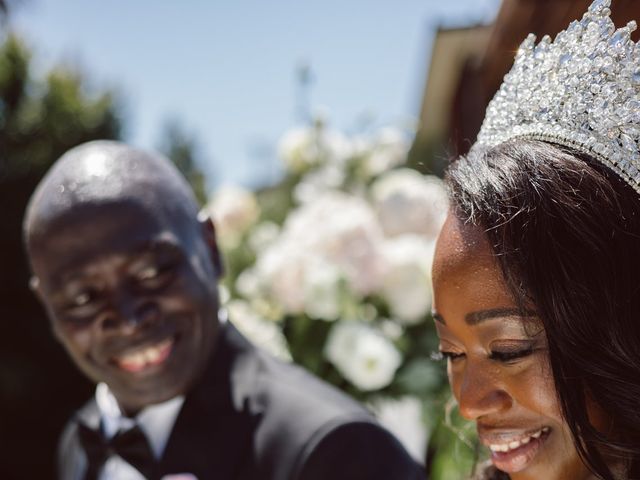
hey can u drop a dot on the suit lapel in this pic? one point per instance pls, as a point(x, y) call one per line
point(213, 434)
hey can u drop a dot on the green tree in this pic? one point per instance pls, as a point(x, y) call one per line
point(40, 118)
point(182, 149)
point(4, 10)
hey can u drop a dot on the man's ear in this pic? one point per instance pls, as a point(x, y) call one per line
point(209, 232)
point(34, 286)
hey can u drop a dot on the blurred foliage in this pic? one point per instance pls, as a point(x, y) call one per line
point(4, 10)
point(454, 451)
point(40, 118)
point(182, 149)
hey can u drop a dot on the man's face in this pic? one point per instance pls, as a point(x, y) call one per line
point(132, 297)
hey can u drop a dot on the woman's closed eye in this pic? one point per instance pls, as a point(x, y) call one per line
point(447, 355)
point(511, 355)
point(503, 355)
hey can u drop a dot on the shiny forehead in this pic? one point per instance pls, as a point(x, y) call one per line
point(104, 173)
point(459, 245)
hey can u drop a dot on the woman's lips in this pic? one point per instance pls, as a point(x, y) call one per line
point(512, 453)
point(145, 357)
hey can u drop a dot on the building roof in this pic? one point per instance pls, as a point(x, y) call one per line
point(468, 64)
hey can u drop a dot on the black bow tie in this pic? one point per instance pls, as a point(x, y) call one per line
point(131, 445)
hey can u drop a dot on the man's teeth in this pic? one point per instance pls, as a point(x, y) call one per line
point(146, 356)
point(505, 447)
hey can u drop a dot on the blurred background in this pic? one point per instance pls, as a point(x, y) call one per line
point(335, 118)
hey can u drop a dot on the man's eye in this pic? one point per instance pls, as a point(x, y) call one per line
point(148, 273)
point(81, 299)
point(446, 355)
point(506, 356)
point(155, 277)
point(81, 308)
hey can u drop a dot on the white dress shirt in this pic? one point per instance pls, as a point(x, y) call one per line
point(156, 421)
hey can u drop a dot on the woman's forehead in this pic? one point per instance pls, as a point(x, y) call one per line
point(461, 246)
point(467, 278)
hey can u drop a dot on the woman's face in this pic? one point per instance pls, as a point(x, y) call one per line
point(497, 361)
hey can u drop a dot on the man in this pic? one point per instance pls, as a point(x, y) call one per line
point(128, 273)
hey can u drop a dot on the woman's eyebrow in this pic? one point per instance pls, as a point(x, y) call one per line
point(475, 318)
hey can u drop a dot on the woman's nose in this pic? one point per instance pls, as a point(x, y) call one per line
point(480, 392)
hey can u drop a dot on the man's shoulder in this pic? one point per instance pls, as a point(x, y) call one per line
point(355, 449)
point(323, 433)
point(291, 384)
point(289, 394)
point(276, 387)
point(305, 423)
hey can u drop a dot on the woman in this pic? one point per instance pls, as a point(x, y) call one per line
point(537, 268)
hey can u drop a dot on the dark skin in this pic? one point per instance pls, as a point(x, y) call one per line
point(130, 286)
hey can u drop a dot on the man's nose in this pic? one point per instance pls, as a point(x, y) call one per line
point(480, 392)
point(130, 315)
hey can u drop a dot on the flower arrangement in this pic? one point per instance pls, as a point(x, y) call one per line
point(330, 268)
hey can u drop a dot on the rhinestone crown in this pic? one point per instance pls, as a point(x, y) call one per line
point(581, 91)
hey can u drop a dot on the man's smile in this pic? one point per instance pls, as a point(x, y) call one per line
point(147, 356)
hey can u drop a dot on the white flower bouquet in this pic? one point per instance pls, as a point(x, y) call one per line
point(331, 269)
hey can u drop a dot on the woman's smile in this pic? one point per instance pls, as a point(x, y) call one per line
point(513, 450)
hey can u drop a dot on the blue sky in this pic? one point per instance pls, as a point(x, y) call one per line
point(226, 70)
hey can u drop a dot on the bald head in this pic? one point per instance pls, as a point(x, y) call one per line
point(103, 173)
point(124, 265)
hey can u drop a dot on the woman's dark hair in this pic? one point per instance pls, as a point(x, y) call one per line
point(566, 233)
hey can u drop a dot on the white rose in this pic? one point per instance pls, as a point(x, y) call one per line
point(281, 269)
point(248, 283)
point(406, 285)
point(403, 418)
point(301, 148)
point(343, 230)
point(261, 332)
point(362, 355)
point(409, 202)
point(233, 210)
point(322, 292)
point(263, 235)
point(332, 238)
point(318, 181)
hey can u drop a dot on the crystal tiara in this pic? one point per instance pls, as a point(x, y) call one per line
point(581, 91)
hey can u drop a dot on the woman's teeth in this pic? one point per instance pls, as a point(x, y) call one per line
point(506, 447)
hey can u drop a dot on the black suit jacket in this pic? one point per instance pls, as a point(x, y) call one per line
point(255, 418)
